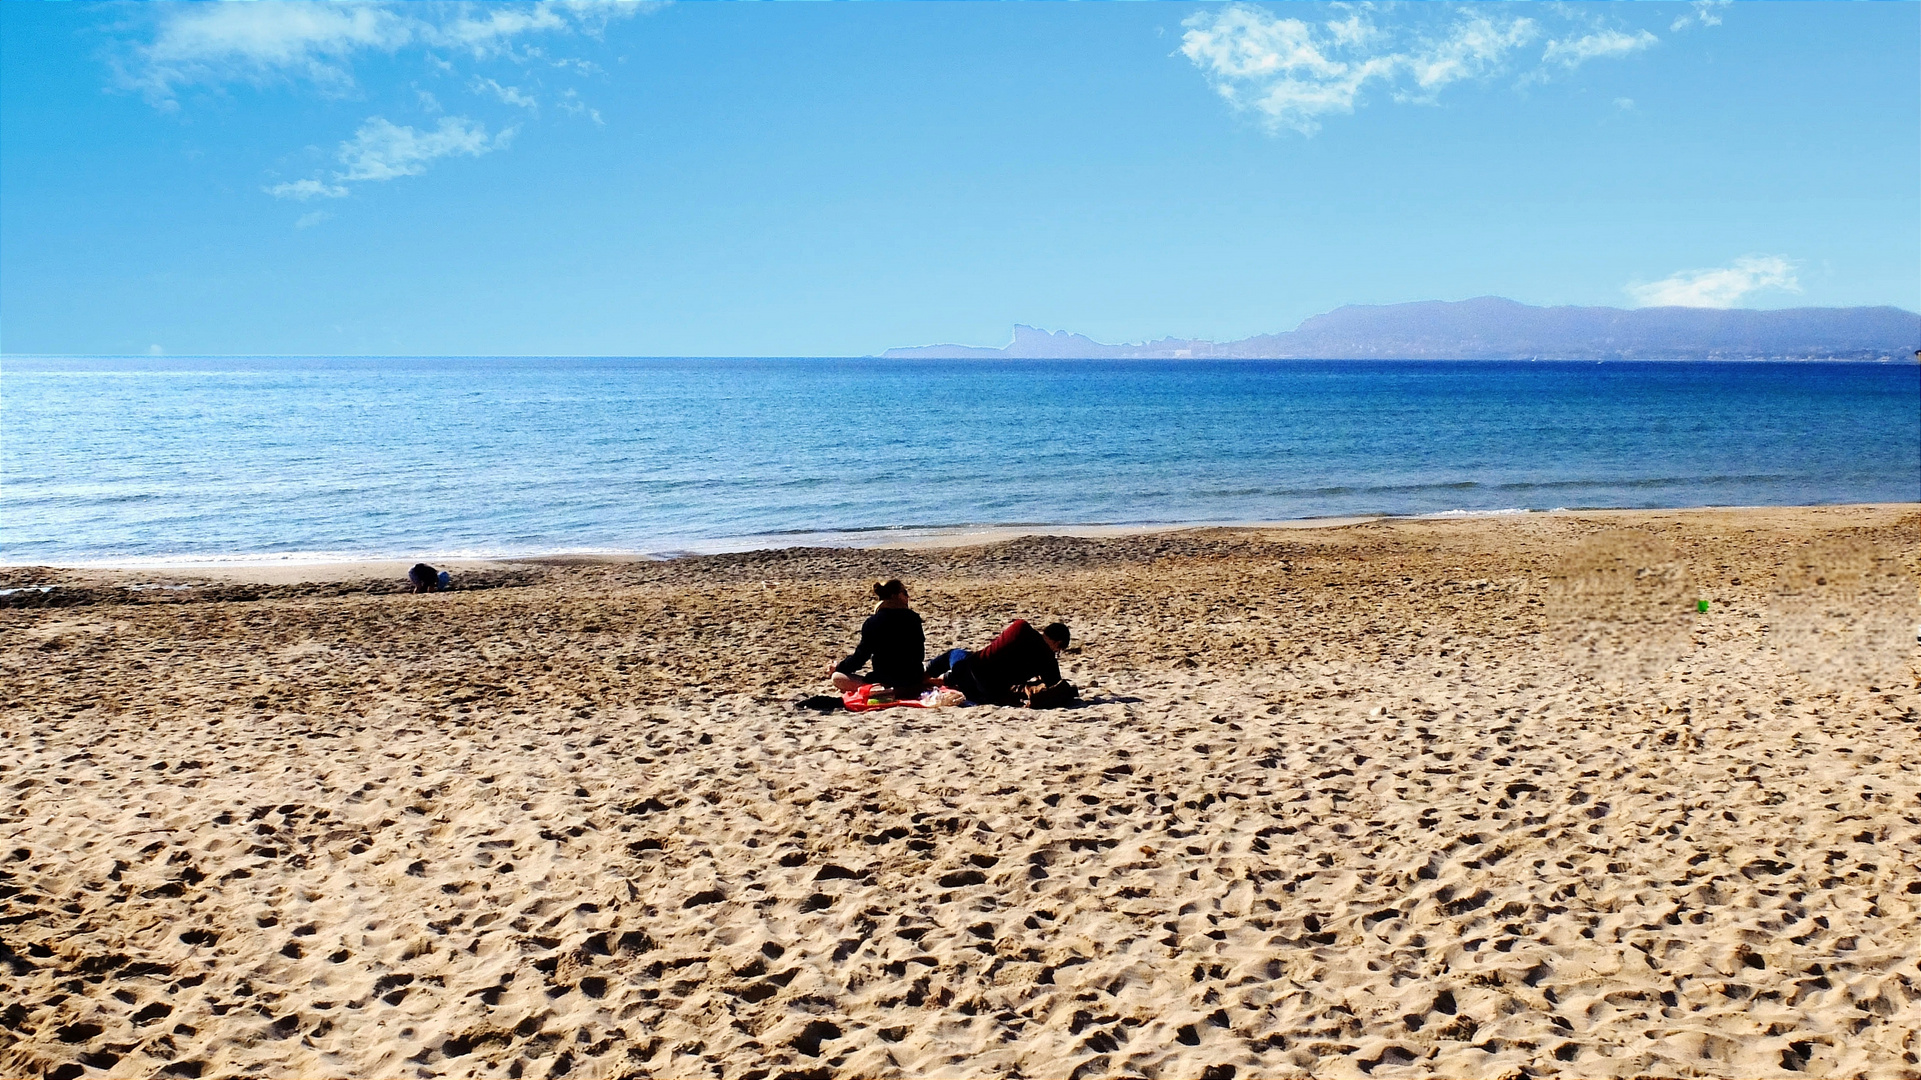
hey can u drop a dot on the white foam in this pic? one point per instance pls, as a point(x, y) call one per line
point(1477, 513)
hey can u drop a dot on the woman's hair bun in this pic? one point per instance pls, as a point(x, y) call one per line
point(887, 590)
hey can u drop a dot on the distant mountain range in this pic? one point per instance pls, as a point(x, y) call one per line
point(1492, 328)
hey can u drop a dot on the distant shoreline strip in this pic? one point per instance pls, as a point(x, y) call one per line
point(873, 537)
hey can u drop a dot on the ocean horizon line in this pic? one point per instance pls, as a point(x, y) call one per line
point(122, 357)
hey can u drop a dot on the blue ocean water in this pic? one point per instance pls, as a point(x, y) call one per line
point(157, 459)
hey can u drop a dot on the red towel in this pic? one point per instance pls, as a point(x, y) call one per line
point(856, 700)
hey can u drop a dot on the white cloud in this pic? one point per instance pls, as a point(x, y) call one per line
point(259, 41)
point(488, 30)
point(316, 40)
point(1625, 104)
point(382, 150)
point(1573, 52)
point(306, 189)
point(1476, 47)
point(1705, 13)
point(316, 43)
point(1718, 288)
point(1292, 72)
point(512, 95)
point(571, 104)
point(1287, 70)
point(310, 219)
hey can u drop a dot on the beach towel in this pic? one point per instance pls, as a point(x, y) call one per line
point(859, 698)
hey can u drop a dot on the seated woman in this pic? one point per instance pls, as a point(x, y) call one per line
point(892, 639)
point(1017, 656)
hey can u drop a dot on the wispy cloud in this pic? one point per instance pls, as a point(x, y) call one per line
point(382, 150)
point(303, 190)
point(571, 104)
point(1720, 287)
point(511, 95)
point(1704, 13)
point(317, 40)
point(311, 218)
point(485, 30)
point(314, 44)
point(1292, 72)
point(1289, 71)
point(1475, 47)
point(1573, 52)
point(203, 43)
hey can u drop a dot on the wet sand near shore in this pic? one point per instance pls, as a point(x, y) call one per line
point(1480, 797)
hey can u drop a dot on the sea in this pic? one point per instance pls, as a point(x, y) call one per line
point(178, 461)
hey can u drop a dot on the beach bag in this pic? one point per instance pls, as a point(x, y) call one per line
point(1058, 695)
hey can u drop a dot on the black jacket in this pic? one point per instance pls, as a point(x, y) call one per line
point(892, 639)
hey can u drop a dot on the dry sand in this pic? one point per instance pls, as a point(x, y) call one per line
point(1469, 798)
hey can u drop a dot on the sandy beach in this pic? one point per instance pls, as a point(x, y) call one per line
point(1486, 797)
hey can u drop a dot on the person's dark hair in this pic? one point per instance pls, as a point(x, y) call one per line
point(423, 578)
point(887, 590)
point(1056, 632)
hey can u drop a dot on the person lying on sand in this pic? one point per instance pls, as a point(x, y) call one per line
point(892, 639)
point(1017, 656)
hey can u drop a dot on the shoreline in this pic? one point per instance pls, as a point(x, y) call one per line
point(321, 568)
point(1899, 359)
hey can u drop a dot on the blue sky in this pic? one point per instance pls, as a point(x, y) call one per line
point(715, 179)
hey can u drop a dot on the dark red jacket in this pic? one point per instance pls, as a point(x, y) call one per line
point(1015, 656)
